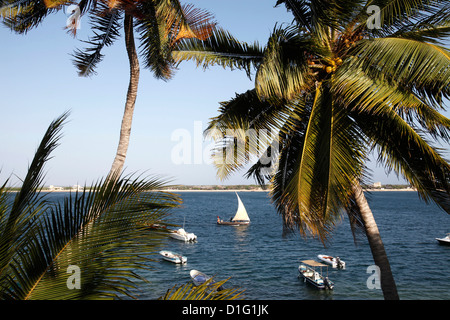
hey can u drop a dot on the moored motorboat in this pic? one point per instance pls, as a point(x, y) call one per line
point(182, 235)
point(199, 278)
point(240, 218)
point(332, 261)
point(173, 257)
point(445, 240)
point(308, 271)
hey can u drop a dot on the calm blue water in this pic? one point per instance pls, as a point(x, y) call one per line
point(261, 260)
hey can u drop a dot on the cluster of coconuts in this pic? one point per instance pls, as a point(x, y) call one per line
point(332, 65)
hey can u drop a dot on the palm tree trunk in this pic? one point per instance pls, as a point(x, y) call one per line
point(127, 119)
point(380, 258)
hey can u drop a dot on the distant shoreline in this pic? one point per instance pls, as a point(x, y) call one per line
point(234, 190)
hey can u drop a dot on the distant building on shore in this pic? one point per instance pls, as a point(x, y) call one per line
point(377, 185)
point(53, 188)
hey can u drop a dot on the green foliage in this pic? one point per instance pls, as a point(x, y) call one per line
point(102, 232)
point(210, 290)
point(161, 26)
point(332, 89)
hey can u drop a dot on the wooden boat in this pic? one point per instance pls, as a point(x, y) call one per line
point(173, 257)
point(240, 218)
point(332, 261)
point(308, 271)
point(182, 235)
point(445, 240)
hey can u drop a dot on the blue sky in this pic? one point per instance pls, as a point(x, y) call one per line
point(38, 83)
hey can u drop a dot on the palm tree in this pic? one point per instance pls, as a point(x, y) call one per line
point(161, 24)
point(98, 233)
point(332, 89)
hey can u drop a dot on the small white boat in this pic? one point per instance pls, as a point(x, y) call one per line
point(173, 257)
point(182, 235)
point(308, 271)
point(198, 277)
point(334, 262)
point(445, 240)
point(240, 218)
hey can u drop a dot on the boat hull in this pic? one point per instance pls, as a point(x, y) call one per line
point(335, 263)
point(233, 223)
point(173, 257)
point(443, 241)
point(198, 277)
point(182, 235)
point(311, 276)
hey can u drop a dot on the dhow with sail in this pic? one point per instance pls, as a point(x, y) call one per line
point(240, 218)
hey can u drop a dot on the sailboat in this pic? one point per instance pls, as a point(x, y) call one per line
point(240, 218)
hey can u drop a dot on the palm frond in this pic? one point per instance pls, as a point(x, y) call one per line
point(18, 218)
point(245, 128)
point(284, 72)
point(403, 62)
point(101, 232)
point(24, 15)
point(210, 290)
point(301, 11)
point(155, 47)
point(188, 23)
point(105, 24)
point(408, 153)
point(429, 29)
point(162, 25)
point(222, 49)
point(396, 13)
point(357, 90)
point(317, 185)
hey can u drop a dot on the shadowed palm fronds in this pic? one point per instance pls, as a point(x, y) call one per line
point(100, 232)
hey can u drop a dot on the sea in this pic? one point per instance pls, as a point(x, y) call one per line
point(264, 261)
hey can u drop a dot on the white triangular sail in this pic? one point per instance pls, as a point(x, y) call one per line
point(241, 213)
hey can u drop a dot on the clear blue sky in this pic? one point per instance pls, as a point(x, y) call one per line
point(38, 83)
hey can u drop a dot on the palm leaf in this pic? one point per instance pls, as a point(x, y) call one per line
point(101, 231)
point(162, 25)
point(155, 47)
point(105, 24)
point(393, 14)
point(18, 218)
point(403, 62)
point(245, 128)
point(405, 151)
point(315, 174)
point(221, 48)
point(358, 91)
point(210, 290)
point(23, 15)
point(283, 72)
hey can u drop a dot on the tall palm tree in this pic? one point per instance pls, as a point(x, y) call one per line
point(99, 233)
point(161, 24)
point(333, 88)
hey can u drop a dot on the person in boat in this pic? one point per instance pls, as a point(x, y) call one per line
point(327, 282)
point(338, 262)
